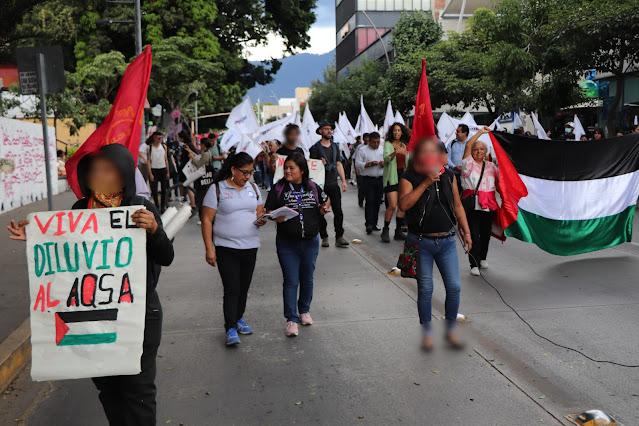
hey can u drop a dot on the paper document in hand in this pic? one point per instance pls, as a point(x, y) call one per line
point(285, 212)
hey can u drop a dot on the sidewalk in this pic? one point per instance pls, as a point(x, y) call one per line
point(359, 364)
point(14, 290)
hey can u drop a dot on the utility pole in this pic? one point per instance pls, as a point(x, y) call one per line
point(42, 83)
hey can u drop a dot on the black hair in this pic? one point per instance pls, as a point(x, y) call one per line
point(418, 147)
point(300, 161)
point(464, 128)
point(59, 153)
point(206, 142)
point(405, 133)
point(120, 157)
point(598, 130)
point(366, 135)
point(290, 127)
point(236, 160)
point(374, 135)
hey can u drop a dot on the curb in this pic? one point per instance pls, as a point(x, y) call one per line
point(15, 352)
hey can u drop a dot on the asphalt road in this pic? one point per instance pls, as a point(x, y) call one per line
point(361, 364)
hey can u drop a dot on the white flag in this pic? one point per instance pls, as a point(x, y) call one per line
point(399, 118)
point(273, 130)
point(446, 126)
point(347, 128)
point(541, 133)
point(366, 124)
point(389, 119)
point(230, 138)
point(636, 121)
point(578, 129)
point(243, 118)
point(308, 128)
point(249, 146)
point(517, 123)
point(496, 125)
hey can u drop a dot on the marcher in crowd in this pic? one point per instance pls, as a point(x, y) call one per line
point(479, 182)
point(235, 205)
point(62, 173)
point(360, 186)
point(370, 161)
point(395, 159)
point(456, 149)
point(429, 196)
point(297, 240)
point(143, 158)
point(291, 140)
point(636, 129)
point(328, 151)
point(211, 160)
point(181, 158)
point(107, 179)
point(598, 134)
point(158, 170)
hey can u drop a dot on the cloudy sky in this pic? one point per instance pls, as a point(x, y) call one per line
point(322, 36)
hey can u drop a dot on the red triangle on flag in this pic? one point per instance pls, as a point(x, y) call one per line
point(61, 328)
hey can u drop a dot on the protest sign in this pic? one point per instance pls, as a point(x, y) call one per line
point(315, 170)
point(192, 173)
point(87, 281)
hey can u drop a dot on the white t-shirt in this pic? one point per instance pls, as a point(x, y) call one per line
point(158, 156)
point(235, 216)
point(143, 153)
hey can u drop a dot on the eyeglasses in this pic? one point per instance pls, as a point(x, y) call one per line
point(246, 173)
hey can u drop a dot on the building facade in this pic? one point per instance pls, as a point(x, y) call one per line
point(364, 27)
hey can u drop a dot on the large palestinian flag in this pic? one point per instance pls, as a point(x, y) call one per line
point(567, 197)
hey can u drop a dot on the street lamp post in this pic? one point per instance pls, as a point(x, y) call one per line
point(379, 36)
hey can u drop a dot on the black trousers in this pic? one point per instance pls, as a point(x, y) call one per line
point(159, 177)
point(334, 193)
point(360, 191)
point(236, 270)
point(373, 193)
point(480, 224)
point(130, 400)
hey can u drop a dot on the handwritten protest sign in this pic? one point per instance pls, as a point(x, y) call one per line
point(315, 170)
point(87, 280)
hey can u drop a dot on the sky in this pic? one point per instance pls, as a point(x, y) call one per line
point(322, 34)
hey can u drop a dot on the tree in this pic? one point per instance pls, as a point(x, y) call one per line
point(604, 35)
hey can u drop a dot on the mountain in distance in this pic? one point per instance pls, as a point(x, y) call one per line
point(296, 71)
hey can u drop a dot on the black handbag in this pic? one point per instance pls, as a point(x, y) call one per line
point(408, 258)
point(470, 202)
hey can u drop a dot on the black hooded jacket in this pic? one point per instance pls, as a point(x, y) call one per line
point(159, 249)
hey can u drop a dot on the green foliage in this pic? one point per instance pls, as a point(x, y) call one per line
point(197, 44)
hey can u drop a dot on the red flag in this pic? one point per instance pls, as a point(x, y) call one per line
point(510, 187)
point(423, 122)
point(123, 125)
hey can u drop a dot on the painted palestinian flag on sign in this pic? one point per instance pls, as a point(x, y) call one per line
point(567, 197)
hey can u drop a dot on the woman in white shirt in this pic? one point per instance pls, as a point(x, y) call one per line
point(158, 169)
point(235, 204)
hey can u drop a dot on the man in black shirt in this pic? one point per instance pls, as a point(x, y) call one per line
point(291, 138)
point(327, 151)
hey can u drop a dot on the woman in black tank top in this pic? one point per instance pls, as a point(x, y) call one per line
point(428, 194)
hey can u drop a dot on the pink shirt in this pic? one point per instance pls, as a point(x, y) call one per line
point(471, 170)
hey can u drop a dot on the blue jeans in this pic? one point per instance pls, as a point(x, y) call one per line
point(444, 252)
point(297, 259)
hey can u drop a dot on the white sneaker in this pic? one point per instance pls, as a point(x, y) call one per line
point(483, 264)
point(474, 271)
point(292, 329)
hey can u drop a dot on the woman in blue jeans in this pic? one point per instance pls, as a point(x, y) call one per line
point(428, 194)
point(297, 239)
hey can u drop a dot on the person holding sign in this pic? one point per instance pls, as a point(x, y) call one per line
point(107, 179)
point(291, 139)
point(235, 204)
point(328, 151)
point(297, 240)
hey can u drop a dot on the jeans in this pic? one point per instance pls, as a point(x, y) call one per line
point(334, 193)
point(297, 260)
point(373, 193)
point(236, 268)
point(444, 252)
point(480, 224)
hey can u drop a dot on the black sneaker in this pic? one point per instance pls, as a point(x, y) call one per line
point(399, 235)
point(369, 230)
point(385, 235)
